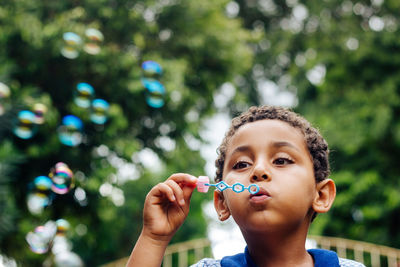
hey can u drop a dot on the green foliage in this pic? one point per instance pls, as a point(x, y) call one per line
point(199, 49)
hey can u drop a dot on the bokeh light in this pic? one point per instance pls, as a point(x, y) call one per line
point(62, 178)
point(67, 258)
point(71, 46)
point(155, 92)
point(84, 95)
point(70, 131)
point(25, 124)
point(94, 39)
point(151, 69)
point(99, 113)
point(36, 202)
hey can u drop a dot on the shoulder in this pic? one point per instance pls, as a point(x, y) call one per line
point(349, 263)
point(207, 263)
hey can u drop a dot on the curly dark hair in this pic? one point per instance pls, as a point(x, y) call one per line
point(316, 144)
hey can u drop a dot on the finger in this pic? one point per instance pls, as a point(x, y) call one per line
point(162, 190)
point(177, 191)
point(184, 179)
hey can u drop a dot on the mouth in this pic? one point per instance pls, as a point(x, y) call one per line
point(262, 195)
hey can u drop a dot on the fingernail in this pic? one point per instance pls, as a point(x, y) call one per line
point(182, 202)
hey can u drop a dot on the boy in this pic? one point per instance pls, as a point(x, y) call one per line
point(288, 159)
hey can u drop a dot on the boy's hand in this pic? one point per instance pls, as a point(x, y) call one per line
point(167, 205)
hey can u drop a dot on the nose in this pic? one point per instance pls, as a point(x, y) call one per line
point(260, 172)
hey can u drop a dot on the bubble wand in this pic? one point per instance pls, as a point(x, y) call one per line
point(203, 184)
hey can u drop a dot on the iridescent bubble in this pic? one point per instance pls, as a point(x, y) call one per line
point(39, 239)
point(62, 226)
point(94, 39)
point(99, 111)
point(25, 126)
point(62, 178)
point(72, 43)
point(39, 110)
point(42, 183)
point(155, 92)
point(70, 131)
point(151, 69)
point(39, 198)
point(84, 94)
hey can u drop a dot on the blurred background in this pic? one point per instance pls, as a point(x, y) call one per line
point(100, 100)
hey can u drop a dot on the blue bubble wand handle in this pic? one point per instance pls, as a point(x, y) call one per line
point(203, 184)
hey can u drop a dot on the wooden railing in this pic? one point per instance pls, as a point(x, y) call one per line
point(370, 254)
point(186, 253)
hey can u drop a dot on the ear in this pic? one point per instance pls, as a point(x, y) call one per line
point(220, 206)
point(325, 195)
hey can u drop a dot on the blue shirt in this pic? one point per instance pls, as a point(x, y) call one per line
point(322, 258)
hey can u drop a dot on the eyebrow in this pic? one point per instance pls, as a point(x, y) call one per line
point(284, 144)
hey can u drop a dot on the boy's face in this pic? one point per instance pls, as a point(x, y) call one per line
point(273, 155)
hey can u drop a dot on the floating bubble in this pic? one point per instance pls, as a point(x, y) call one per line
point(62, 226)
point(62, 178)
point(70, 132)
point(84, 94)
point(39, 110)
point(99, 111)
point(36, 202)
point(155, 92)
point(25, 126)
point(4, 91)
point(60, 244)
point(67, 259)
point(151, 69)
point(72, 43)
point(94, 39)
point(39, 240)
point(42, 183)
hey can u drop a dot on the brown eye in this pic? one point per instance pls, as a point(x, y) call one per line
point(283, 161)
point(241, 165)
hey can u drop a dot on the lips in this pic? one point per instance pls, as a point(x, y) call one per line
point(261, 196)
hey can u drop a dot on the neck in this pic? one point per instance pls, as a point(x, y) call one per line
point(272, 249)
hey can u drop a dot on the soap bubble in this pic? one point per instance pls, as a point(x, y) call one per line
point(62, 178)
point(155, 92)
point(4, 91)
point(39, 110)
point(39, 240)
point(42, 184)
point(84, 94)
point(37, 201)
point(70, 132)
point(62, 226)
point(151, 69)
point(67, 259)
point(94, 39)
point(72, 43)
point(25, 125)
point(99, 111)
